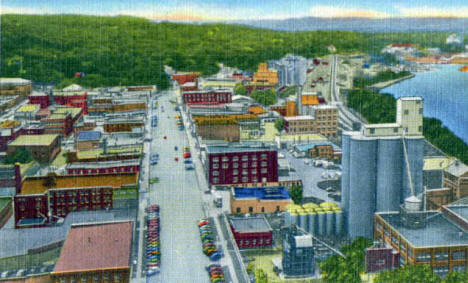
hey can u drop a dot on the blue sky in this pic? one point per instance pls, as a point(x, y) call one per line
point(180, 10)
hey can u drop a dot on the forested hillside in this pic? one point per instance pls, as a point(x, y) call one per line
point(129, 51)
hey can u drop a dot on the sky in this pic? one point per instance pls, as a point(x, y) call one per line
point(219, 10)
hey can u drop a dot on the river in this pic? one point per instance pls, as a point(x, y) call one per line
point(445, 94)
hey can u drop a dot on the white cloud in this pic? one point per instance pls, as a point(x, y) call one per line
point(341, 12)
point(433, 12)
point(21, 10)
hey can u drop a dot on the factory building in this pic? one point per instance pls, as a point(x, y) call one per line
point(259, 199)
point(298, 253)
point(251, 232)
point(375, 176)
point(291, 70)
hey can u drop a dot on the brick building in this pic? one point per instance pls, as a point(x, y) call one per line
point(455, 177)
point(103, 167)
point(40, 98)
point(62, 120)
point(43, 148)
point(27, 112)
point(299, 124)
point(88, 140)
point(9, 131)
point(217, 96)
point(326, 150)
point(326, 120)
point(40, 201)
point(438, 239)
point(265, 75)
point(228, 132)
point(251, 232)
point(259, 199)
point(15, 86)
point(241, 164)
point(381, 257)
point(183, 78)
point(96, 252)
point(122, 125)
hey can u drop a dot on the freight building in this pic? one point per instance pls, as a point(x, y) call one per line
point(251, 232)
point(259, 199)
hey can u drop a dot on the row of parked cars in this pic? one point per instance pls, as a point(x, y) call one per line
point(216, 273)
point(208, 242)
point(153, 250)
point(188, 159)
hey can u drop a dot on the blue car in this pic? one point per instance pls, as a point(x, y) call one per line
point(189, 167)
point(188, 161)
point(152, 272)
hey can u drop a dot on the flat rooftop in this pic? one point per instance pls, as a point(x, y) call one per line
point(240, 148)
point(103, 164)
point(439, 230)
point(299, 118)
point(28, 108)
point(96, 246)
point(307, 146)
point(34, 140)
point(262, 193)
point(250, 224)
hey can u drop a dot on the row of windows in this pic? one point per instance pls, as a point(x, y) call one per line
point(236, 158)
point(236, 165)
point(261, 241)
point(239, 210)
point(106, 277)
point(244, 172)
point(235, 180)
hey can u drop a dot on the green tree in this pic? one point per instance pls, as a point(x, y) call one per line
point(22, 155)
point(296, 193)
point(455, 277)
point(409, 274)
point(260, 276)
point(240, 89)
point(279, 124)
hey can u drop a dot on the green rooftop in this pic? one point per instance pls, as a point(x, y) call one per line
point(34, 140)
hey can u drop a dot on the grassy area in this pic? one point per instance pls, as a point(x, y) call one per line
point(263, 259)
point(4, 201)
point(60, 160)
point(154, 180)
point(29, 260)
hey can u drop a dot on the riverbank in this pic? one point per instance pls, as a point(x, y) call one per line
point(382, 85)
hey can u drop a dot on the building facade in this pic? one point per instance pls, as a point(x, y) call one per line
point(299, 124)
point(207, 96)
point(103, 167)
point(298, 253)
point(9, 131)
point(15, 86)
point(259, 200)
point(291, 70)
point(233, 165)
point(326, 120)
point(251, 232)
point(43, 148)
point(455, 177)
point(375, 176)
point(265, 75)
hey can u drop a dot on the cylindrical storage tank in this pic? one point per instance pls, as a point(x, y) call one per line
point(328, 205)
point(303, 220)
point(293, 206)
point(330, 222)
point(287, 218)
point(339, 222)
point(294, 217)
point(362, 178)
point(345, 149)
point(310, 205)
point(390, 160)
point(321, 229)
point(312, 228)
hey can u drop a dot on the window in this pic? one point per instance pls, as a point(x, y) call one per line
point(277, 208)
point(117, 277)
point(250, 209)
point(402, 247)
point(215, 173)
point(235, 158)
point(245, 165)
point(254, 171)
point(441, 256)
point(254, 164)
point(406, 112)
point(215, 159)
point(83, 279)
point(225, 165)
point(235, 172)
point(238, 210)
point(245, 172)
point(244, 179)
point(394, 240)
point(264, 170)
point(264, 164)
point(215, 166)
point(106, 276)
point(459, 268)
point(458, 255)
point(62, 280)
point(420, 129)
point(425, 257)
point(235, 179)
point(420, 110)
point(245, 158)
point(441, 270)
point(96, 278)
point(73, 279)
point(372, 131)
point(235, 165)
point(263, 209)
point(225, 159)
point(380, 262)
point(395, 130)
point(254, 157)
point(215, 180)
point(264, 156)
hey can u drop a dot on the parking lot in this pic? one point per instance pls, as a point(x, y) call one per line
point(311, 176)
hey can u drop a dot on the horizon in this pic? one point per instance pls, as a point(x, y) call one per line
point(242, 10)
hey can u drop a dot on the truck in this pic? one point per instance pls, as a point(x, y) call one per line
point(218, 201)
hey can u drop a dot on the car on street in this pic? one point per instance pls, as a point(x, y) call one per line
point(189, 167)
point(188, 161)
point(176, 148)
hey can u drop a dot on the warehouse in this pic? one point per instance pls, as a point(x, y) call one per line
point(251, 232)
point(43, 148)
point(96, 252)
point(259, 199)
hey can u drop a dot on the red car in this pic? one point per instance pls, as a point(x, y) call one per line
point(165, 137)
point(176, 159)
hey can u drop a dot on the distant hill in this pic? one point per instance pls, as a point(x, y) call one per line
point(130, 51)
point(459, 25)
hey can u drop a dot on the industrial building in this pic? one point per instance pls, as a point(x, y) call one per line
point(9, 131)
point(435, 238)
point(27, 112)
point(375, 176)
point(251, 232)
point(96, 252)
point(43, 148)
point(455, 177)
point(259, 199)
point(325, 150)
point(381, 257)
point(15, 86)
point(209, 96)
point(299, 124)
point(291, 70)
point(298, 253)
point(265, 75)
point(88, 140)
point(241, 163)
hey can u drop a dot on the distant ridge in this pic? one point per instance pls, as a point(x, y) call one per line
point(459, 25)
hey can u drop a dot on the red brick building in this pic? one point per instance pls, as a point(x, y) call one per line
point(251, 232)
point(104, 167)
point(241, 164)
point(9, 131)
point(40, 98)
point(96, 252)
point(183, 78)
point(207, 97)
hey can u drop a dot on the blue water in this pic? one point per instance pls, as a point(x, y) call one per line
point(445, 94)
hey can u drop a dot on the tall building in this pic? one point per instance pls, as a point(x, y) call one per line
point(291, 70)
point(375, 176)
point(298, 253)
point(265, 75)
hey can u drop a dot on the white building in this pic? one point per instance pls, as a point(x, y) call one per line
point(291, 70)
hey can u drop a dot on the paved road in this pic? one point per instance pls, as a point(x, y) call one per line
point(180, 202)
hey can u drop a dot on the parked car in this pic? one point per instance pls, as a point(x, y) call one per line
point(189, 167)
point(188, 161)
